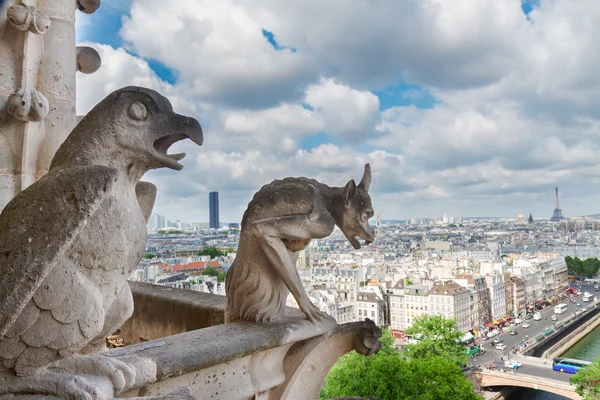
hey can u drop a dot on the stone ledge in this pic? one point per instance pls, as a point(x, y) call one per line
point(191, 351)
point(162, 311)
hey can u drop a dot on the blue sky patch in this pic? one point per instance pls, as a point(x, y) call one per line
point(405, 94)
point(271, 39)
point(318, 139)
point(104, 27)
point(528, 5)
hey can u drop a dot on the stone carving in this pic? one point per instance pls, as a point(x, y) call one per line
point(281, 220)
point(28, 18)
point(88, 6)
point(367, 341)
point(28, 105)
point(69, 241)
point(88, 60)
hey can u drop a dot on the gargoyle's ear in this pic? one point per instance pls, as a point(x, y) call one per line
point(365, 182)
point(349, 191)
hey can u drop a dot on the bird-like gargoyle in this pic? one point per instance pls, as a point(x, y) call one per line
point(69, 241)
point(281, 220)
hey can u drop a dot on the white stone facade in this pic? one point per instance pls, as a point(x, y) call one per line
point(496, 289)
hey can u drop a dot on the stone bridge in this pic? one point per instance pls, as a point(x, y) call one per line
point(488, 378)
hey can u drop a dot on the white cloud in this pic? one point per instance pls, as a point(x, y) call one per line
point(516, 112)
point(345, 111)
point(218, 50)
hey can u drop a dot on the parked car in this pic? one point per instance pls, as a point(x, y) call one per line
point(528, 316)
point(512, 364)
point(514, 333)
point(554, 318)
point(486, 338)
point(501, 346)
point(526, 325)
point(498, 340)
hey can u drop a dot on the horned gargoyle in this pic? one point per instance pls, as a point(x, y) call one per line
point(69, 241)
point(282, 219)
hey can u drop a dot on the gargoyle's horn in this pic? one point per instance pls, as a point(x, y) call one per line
point(365, 182)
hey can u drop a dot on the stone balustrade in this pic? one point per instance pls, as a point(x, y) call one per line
point(286, 360)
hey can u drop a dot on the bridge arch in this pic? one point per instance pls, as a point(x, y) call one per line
point(495, 379)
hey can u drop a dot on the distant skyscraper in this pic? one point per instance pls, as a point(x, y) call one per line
point(213, 198)
point(156, 221)
point(557, 216)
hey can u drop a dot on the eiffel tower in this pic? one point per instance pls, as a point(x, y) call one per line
point(557, 216)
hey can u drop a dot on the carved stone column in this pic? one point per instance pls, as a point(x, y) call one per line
point(37, 86)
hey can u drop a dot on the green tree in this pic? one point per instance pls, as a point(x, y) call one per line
point(149, 256)
point(577, 266)
point(165, 232)
point(391, 375)
point(587, 381)
point(591, 267)
point(221, 277)
point(213, 252)
point(437, 337)
point(210, 271)
point(436, 378)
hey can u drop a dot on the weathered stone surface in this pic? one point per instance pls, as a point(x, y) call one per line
point(162, 311)
point(88, 6)
point(243, 360)
point(282, 219)
point(69, 241)
point(39, 64)
point(28, 105)
point(88, 60)
point(28, 18)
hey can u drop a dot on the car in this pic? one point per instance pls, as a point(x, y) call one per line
point(526, 325)
point(514, 333)
point(512, 364)
point(578, 304)
point(498, 340)
point(500, 346)
point(486, 338)
point(554, 318)
point(528, 316)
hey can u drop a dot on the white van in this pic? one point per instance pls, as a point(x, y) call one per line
point(537, 316)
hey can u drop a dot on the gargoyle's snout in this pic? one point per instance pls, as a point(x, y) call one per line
point(178, 127)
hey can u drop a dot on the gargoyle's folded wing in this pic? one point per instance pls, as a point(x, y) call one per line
point(39, 225)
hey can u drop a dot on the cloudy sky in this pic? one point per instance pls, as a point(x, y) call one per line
point(470, 108)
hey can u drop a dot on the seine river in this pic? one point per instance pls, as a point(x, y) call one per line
point(587, 349)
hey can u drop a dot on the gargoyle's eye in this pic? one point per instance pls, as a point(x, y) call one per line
point(138, 111)
point(364, 217)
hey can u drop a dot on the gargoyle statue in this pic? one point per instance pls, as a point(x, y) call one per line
point(281, 220)
point(69, 241)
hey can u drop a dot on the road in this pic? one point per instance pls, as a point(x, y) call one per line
point(531, 365)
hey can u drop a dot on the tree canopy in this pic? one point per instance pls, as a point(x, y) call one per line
point(210, 271)
point(165, 232)
point(392, 374)
point(437, 337)
point(213, 252)
point(588, 267)
point(587, 381)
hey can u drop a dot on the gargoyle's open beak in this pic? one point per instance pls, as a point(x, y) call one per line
point(179, 128)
